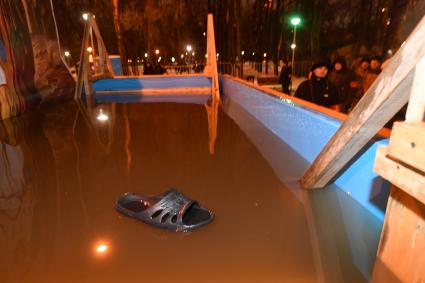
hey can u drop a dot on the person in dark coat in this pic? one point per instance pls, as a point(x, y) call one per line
point(148, 69)
point(345, 82)
point(285, 76)
point(374, 71)
point(318, 89)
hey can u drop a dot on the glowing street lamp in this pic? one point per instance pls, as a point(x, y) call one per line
point(67, 54)
point(242, 53)
point(265, 55)
point(295, 21)
point(156, 51)
point(146, 55)
point(85, 16)
point(189, 48)
point(173, 59)
point(89, 49)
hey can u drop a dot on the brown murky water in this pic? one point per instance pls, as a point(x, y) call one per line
point(61, 172)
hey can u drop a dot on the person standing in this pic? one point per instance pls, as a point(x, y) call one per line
point(318, 89)
point(344, 81)
point(374, 71)
point(285, 76)
point(361, 73)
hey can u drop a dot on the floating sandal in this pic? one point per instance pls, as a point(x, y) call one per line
point(171, 211)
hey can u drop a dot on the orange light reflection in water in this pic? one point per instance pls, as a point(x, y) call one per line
point(102, 248)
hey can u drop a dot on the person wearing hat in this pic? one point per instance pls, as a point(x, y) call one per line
point(318, 89)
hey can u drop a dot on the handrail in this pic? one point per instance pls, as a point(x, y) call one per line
point(102, 67)
point(211, 66)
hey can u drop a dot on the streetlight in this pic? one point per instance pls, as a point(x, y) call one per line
point(146, 55)
point(189, 48)
point(295, 21)
point(85, 16)
point(67, 57)
point(156, 51)
point(242, 53)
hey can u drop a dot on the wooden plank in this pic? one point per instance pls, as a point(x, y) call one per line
point(83, 56)
point(101, 46)
point(401, 256)
point(407, 143)
point(147, 91)
point(383, 100)
point(87, 72)
point(416, 107)
point(410, 181)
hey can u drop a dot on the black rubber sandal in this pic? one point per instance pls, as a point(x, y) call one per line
point(171, 211)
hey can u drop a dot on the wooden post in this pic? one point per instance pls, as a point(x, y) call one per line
point(82, 70)
point(101, 46)
point(383, 100)
point(401, 256)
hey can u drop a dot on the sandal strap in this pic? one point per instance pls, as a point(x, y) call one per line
point(173, 203)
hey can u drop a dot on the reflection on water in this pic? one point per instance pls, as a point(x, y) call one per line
point(61, 172)
point(212, 114)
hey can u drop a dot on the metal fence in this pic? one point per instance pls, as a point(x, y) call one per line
point(239, 70)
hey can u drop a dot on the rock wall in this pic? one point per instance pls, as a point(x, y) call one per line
point(29, 57)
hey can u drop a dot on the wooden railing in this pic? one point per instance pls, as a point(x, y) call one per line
point(389, 93)
point(94, 61)
point(400, 256)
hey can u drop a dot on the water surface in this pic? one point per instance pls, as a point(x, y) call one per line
point(61, 170)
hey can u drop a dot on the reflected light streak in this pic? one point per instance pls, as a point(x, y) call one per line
point(102, 116)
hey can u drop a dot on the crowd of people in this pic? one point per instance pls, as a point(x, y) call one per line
point(334, 85)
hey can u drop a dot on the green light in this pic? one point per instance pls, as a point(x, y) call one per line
point(295, 21)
